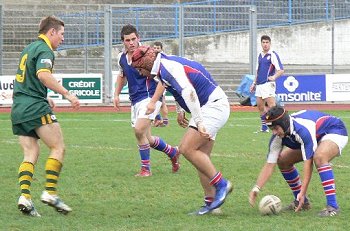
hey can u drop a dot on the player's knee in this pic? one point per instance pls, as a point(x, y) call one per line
point(320, 160)
point(58, 150)
point(139, 130)
point(284, 163)
point(183, 149)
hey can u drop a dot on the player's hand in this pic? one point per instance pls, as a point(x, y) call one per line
point(51, 102)
point(74, 101)
point(182, 120)
point(116, 102)
point(253, 195)
point(271, 78)
point(252, 88)
point(300, 199)
point(252, 198)
point(151, 107)
point(202, 130)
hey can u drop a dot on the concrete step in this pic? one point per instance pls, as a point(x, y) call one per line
point(314, 69)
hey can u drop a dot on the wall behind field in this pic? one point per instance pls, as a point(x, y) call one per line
point(297, 44)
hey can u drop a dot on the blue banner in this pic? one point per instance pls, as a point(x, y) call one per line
point(301, 88)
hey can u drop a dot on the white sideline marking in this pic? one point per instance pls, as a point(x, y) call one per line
point(9, 141)
point(98, 147)
point(15, 141)
point(231, 155)
point(90, 120)
point(224, 155)
point(341, 166)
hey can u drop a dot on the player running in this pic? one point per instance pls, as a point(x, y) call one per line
point(140, 91)
point(195, 92)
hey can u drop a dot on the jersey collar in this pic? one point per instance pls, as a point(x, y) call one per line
point(263, 54)
point(46, 39)
point(156, 65)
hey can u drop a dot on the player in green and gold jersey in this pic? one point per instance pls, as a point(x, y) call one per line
point(32, 116)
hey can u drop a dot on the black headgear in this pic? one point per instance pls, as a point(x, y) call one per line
point(277, 115)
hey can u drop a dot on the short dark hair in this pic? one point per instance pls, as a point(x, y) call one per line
point(50, 22)
point(128, 29)
point(159, 44)
point(265, 37)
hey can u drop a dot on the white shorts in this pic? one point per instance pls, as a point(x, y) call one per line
point(139, 109)
point(265, 90)
point(340, 140)
point(215, 115)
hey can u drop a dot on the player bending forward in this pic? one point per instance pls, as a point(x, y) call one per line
point(196, 92)
point(321, 138)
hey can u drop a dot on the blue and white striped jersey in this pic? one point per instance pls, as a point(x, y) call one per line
point(308, 127)
point(140, 87)
point(178, 73)
point(267, 65)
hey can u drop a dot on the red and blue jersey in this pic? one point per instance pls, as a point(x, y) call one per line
point(267, 65)
point(308, 127)
point(140, 87)
point(178, 72)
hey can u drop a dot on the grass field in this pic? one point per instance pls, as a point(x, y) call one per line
point(98, 180)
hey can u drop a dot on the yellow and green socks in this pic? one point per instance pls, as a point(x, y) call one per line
point(52, 168)
point(25, 178)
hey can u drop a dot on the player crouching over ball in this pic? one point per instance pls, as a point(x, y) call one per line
point(310, 136)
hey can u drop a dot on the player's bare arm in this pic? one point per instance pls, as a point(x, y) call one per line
point(182, 120)
point(306, 180)
point(265, 174)
point(50, 82)
point(151, 106)
point(253, 85)
point(120, 83)
point(276, 75)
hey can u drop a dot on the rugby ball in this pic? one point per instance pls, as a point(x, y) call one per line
point(270, 205)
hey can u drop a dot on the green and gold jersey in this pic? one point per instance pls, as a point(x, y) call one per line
point(29, 94)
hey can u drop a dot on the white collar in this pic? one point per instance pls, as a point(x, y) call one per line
point(156, 65)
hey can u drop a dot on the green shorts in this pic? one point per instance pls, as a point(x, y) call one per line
point(28, 128)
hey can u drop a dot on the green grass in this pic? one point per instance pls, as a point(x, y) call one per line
point(98, 180)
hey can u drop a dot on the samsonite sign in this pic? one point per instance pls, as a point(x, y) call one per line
point(301, 88)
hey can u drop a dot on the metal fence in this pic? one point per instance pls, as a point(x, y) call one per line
point(170, 22)
point(199, 18)
point(85, 23)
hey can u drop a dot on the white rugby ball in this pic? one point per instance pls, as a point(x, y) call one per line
point(270, 205)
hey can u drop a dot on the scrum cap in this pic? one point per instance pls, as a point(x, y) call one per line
point(143, 57)
point(277, 115)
